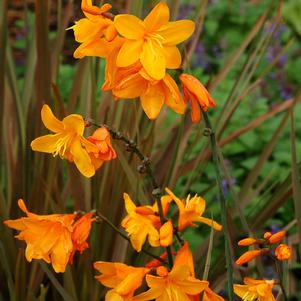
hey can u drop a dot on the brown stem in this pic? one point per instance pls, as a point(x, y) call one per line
point(131, 146)
point(100, 216)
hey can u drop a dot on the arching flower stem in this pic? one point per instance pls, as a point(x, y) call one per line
point(146, 168)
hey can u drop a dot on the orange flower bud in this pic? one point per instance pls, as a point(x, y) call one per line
point(283, 252)
point(162, 271)
point(247, 242)
point(166, 232)
point(197, 95)
point(277, 237)
point(248, 256)
point(267, 235)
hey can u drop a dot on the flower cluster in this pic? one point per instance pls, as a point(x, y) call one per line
point(144, 221)
point(138, 54)
point(53, 238)
point(266, 244)
point(178, 284)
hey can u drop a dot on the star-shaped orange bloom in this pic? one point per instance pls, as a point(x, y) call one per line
point(67, 141)
point(253, 289)
point(191, 211)
point(177, 285)
point(53, 238)
point(121, 278)
point(152, 41)
point(133, 82)
point(143, 222)
point(140, 223)
point(197, 95)
point(96, 32)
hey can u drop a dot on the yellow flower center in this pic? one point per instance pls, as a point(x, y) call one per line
point(62, 144)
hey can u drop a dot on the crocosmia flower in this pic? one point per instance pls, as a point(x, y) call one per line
point(133, 82)
point(191, 211)
point(121, 278)
point(67, 141)
point(152, 41)
point(141, 223)
point(53, 238)
point(249, 255)
point(102, 140)
point(197, 95)
point(253, 289)
point(177, 285)
point(96, 32)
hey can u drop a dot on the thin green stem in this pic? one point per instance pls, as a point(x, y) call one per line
point(100, 216)
point(209, 132)
point(146, 168)
point(279, 272)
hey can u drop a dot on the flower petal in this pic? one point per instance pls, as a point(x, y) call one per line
point(158, 17)
point(82, 159)
point(130, 87)
point(176, 32)
point(173, 98)
point(46, 144)
point(210, 223)
point(153, 59)
point(50, 121)
point(129, 26)
point(75, 123)
point(152, 101)
point(129, 53)
point(94, 47)
point(172, 57)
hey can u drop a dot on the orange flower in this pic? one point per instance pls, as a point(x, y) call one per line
point(140, 223)
point(191, 210)
point(247, 242)
point(249, 255)
point(260, 290)
point(102, 139)
point(152, 41)
point(177, 285)
point(53, 238)
point(277, 237)
point(67, 141)
point(123, 279)
point(96, 32)
point(197, 95)
point(133, 82)
point(283, 252)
